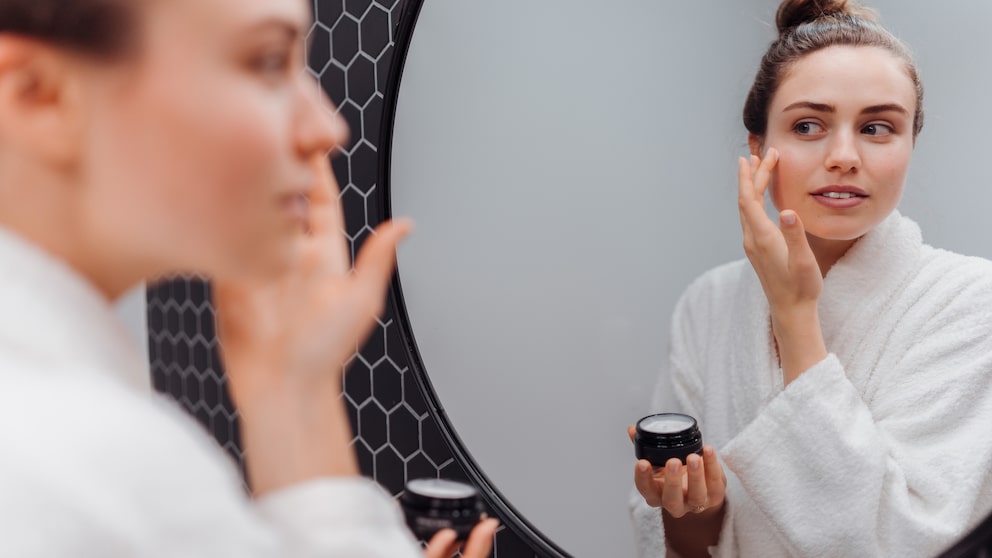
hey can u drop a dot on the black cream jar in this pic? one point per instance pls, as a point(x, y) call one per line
point(431, 505)
point(664, 436)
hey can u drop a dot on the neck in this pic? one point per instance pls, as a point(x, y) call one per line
point(827, 252)
point(56, 225)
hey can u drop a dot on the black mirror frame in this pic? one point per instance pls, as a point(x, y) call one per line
point(509, 516)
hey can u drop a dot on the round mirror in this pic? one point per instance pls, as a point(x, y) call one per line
point(571, 167)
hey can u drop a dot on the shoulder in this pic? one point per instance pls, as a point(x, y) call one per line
point(713, 301)
point(83, 448)
point(954, 276)
point(953, 286)
point(716, 287)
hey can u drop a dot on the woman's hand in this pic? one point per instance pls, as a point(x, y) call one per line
point(698, 487)
point(296, 331)
point(691, 498)
point(785, 265)
point(285, 339)
point(479, 544)
point(782, 258)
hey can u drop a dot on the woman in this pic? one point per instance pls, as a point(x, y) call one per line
point(844, 368)
point(146, 138)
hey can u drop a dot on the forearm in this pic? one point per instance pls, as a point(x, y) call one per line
point(291, 436)
point(799, 340)
point(692, 534)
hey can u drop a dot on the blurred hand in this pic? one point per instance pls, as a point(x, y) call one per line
point(479, 544)
point(296, 331)
point(284, 341)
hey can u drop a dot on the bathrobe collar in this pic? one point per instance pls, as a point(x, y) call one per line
point(864, 281)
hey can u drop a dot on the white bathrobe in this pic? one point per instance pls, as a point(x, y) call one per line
point(93, 465)
point(884, 448)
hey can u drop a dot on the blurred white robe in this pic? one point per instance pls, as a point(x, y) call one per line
point(93, 465)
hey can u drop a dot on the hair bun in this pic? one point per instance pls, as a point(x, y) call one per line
point(793, 13)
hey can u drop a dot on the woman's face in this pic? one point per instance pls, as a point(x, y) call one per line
point(198, 153)
point(842, 121)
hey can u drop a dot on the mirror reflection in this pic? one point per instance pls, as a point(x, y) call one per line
point(573, 169)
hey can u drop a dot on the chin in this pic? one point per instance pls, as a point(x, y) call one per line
point(257, 263)
point(839, 228)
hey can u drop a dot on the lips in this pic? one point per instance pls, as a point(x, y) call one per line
point(839, 196)
point(297, 205)
point(840, 192)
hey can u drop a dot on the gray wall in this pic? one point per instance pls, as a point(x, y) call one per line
point(571, 167)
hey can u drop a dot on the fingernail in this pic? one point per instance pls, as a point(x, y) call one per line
point(788, 218)
point(694, 463)
point(673, 467)
point(642, 466)
point(708, 451)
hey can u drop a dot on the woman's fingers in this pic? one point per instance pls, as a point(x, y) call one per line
point(716, 480)
point(763, 174)
point(696, 499)
point(442, 544)
point(326, 221)
point(377, 258)
point(744, 197)
point(673, 497)
point(693, 487)
point(480, 540)
point(646, 484)
point(631, 431)
point(801, 257)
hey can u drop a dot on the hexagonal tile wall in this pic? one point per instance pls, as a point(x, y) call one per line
point(350, 49)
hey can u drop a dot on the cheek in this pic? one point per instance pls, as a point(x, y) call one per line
point(198, 171)
point(890, 168)
point(896, 166)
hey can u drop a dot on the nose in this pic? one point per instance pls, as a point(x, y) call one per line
point(318, 128)
point(843, 154)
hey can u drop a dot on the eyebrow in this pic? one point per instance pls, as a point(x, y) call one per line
point(822, 107)
point(288, 27)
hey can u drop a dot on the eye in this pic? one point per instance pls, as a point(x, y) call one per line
point(807, 128)
point(878, 129)
point(272, 63)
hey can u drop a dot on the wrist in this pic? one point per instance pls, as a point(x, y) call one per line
point(291, 437)
point(796, 317)
point(799, 341)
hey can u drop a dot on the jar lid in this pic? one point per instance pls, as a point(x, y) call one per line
point(440, 493)
point(668, 430)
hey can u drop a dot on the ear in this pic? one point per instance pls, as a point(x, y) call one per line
point(756, 143)
point(39, 116)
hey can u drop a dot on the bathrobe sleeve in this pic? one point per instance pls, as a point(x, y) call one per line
point(902, 470)
point(101, 472)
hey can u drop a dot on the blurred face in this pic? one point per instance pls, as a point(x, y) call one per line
point(199, 153)
point(842, 120)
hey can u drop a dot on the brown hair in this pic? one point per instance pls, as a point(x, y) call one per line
point(806, 26)
point(104, 28)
